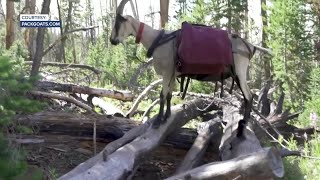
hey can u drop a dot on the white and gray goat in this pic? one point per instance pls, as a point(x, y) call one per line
point(164, 60)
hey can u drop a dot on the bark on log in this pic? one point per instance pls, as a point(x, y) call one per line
point(72, 88)
point(122, 162)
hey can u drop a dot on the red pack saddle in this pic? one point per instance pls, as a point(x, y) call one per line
point(203, 50)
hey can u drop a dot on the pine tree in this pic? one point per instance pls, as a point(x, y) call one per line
point(292, 47)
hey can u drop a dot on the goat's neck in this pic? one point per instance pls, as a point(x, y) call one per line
point(148, 34)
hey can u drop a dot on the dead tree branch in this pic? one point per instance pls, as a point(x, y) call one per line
point(64, 98)
point(66, 65)
point(141, 96)
point(145, 115)
point(72, 88)
point(142, 67)
point(64, 36)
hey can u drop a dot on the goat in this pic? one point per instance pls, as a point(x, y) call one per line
point(164, 61)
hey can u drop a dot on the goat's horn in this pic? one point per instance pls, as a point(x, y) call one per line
point(121, 6)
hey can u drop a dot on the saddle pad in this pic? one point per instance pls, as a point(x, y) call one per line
point(203, 50)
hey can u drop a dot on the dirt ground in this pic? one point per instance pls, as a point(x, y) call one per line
point(58, 154)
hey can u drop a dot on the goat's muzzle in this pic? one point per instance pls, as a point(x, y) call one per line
point(114, 41)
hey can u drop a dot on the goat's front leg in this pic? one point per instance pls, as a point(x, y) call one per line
point(165, 96)
point(158, 119)
point(168, 95)
point(168, 110)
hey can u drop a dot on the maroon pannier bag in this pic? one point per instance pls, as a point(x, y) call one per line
point(203, 50)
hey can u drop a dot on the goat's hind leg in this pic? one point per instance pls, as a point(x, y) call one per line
point(241, 65)
point(247, 103)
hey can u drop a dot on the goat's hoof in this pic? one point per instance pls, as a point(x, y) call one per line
point(241, 126)
point(155, 125)
point(164, 121)
point(157, 122)
point(166, 116)
point(105, 155)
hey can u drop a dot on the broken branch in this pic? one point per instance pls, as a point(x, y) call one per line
point(141, 96)
point(72, 88)
point(64, 98)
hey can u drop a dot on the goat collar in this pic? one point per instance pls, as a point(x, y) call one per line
point(139, 34)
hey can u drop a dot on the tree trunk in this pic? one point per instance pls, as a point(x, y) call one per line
point(229, 26)
point(2, 15)
point(74, 54)
point(246, 20)
point(40, 39)
point(92, 32)
point(115, 5)
point(62, 46)
point(32, 32)
point(135, 14)
point(67, 25)
point(266, 61)
point(9, 24)
point(164, 9)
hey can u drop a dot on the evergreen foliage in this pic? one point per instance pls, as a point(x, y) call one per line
point(13, 101)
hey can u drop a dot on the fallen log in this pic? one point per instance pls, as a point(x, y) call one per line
point(108, 127)
point(112, 128)
point(72, 88)
point(242, 156)
point(256, 165)
point(246, 149)
point(122, 162)
point(106, 107)
point(206, 131)
point(60, 123)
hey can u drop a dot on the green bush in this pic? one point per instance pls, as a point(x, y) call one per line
point(297, 168)
point(313, 104)
point(13, 88)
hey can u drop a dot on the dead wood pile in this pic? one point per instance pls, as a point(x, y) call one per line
point(241, 157)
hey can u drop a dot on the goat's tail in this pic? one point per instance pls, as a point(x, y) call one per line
point(269, 51)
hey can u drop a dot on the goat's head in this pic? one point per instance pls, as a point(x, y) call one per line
point(122, 27)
